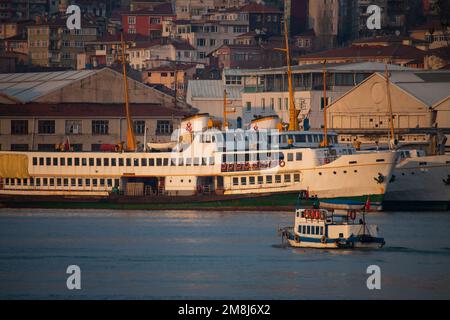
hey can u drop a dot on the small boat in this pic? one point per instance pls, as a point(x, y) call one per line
point(331, 229)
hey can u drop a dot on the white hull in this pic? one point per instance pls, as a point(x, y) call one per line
point(420, 179)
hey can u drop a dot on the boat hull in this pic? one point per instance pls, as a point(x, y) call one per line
point(350, 243)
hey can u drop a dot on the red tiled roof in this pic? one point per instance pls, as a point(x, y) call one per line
point(397, 51)
point(88, 110)
point(258, 8)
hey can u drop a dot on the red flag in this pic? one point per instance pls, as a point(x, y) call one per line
point(67, 144)
point(367, 205)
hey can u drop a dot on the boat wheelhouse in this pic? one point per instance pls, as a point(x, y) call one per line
point(331, 229)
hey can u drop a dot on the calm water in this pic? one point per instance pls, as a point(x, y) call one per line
point(212, 255)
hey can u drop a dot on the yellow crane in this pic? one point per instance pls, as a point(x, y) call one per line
point(131, 138)
point(293, 113)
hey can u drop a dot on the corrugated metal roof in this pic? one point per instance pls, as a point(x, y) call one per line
point(428, 87)
point(212, 89)
point(28, 86)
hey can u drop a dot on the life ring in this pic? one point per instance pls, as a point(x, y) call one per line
point(352, 214)
point(255, 128)
point(282, 163)
point(189, 127)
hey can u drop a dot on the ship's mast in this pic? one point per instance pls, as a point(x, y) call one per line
point(225, 123)
point(293, 114)
point(325, 105)
point(131, 139)
point(391, 115)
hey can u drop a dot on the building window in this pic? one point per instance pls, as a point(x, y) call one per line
point(263, 104)
point(100, 127)
point(322, 102)
point(19, 126)
point(19, 147)
point(248, 106)
point(73, 126)
point(132, 20)
point(139, 127)
point(164, 127)
point(272, 103)
point(155, 21)
point(46, 126)
point(201, 42)
point(131, 30)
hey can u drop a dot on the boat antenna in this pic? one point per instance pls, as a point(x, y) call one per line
point(391, 115)
point(293, 114)
point(325, 105)
point(131, 139)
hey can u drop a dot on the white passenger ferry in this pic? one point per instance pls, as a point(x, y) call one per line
point(324, 229)
point(204, 160)
point(421, 180)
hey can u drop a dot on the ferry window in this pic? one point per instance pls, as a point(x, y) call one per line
point(165, 162)
point(62, 161)
point(136, 162)
point(251, 180)
point(113, 162)
point(300, 138)
point(313, 230)
point(290, 157)
point(144, 162)
point(287, 178)
point(91, 162)
point(296, 177)
point(77, 161)
point(180, 161)
point(317, 229)
point(304, 229)
point(38, 182)
point(321, 230)
point(120, 162)
point(19, 182)
point(31, 181)
point(45, 181)
point(243, 181)
point(88, 182)
point(188, 161)
point(341, 235)
point(308, 230)
point(173, 162)
point(80, 182)
point(196, 161)
point(52, 182)
point(84, 162)
point(13, 181)
point(98, 162)
point(204, 161)
point(211, 161)
point(69, 161)
point(299, 229)
point(94, 182)
point(55, 161)
point(58, 182)
point(106, 162)
point(102, 182)
point(128, 161)
point(41, 161)
point(298, 156)
point(230, 158)
point(48, 161)
point(268, 179)
point(116, 182)
point(151, 162)
point(158, 162)
point(260, 179)
point(35, 161)
point(235, 181)
point(66, 182)
point(109, 182)
point(278, 178)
